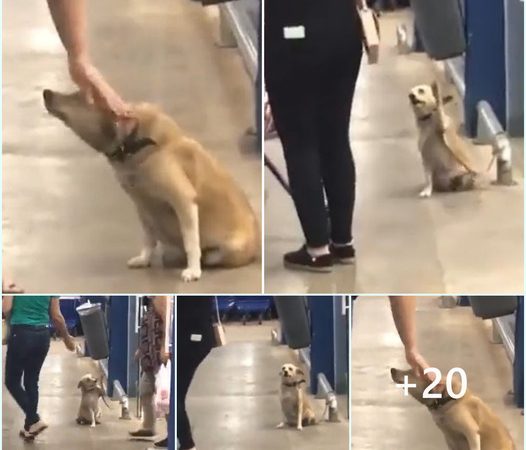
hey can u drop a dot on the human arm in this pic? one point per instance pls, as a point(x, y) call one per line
point(7, 305)
point(69, 18)
point(404, 316)
point(60, 324)
point(161, 306)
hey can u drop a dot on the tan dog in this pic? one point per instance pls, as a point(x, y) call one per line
point(186, 201)
point(447, 164)
point(295, 403)
point(467, 423)
point(91, 392)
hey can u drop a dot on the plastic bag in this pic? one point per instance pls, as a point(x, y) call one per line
point(162, 390)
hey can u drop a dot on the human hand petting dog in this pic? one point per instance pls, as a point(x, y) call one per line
point(418, 364)
point(95, 88)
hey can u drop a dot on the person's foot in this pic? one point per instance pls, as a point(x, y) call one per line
point(161, 444)
point(301, 259)
point(142, 433)
point(343, 254)
point(26, 435)
point(37, 428)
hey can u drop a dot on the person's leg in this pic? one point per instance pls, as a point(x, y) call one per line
point(337, 162)
point(14, 368)
point(34, 360)
point(187, 364)
point(293, 108)
point(147, 397)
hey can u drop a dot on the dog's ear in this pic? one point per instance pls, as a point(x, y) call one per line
point(79, 385)
point(299, 372)
point(447, 99)
point(436, 90)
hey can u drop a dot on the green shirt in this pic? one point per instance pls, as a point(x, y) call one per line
point(30, 310)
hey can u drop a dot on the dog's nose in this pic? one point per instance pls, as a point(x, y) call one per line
point(412, 97)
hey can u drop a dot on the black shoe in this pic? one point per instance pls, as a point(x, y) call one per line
point(301, 259)
point(343, 254)
point(161, 444)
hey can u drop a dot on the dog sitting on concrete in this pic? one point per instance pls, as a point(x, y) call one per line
point(447, 164)
point(295, 404)
point(91, 391)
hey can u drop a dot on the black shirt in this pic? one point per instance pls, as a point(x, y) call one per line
point(195, 317)
point(332, 30)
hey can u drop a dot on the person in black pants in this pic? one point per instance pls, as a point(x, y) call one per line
point(195, 340)
point(313, 51)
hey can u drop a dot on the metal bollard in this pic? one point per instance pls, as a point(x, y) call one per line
point(490, 132)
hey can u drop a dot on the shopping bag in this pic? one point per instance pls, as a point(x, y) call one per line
point(162, 390)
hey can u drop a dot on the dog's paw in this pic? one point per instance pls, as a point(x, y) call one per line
point(191, 274)
point(299, 428)
point(425, 193)
point(139, 262)
point(92, 425)
point(280, 425)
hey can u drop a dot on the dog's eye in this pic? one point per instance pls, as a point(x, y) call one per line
point(421, 91)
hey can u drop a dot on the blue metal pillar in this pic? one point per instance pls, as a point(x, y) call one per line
point(322, 345)
point(514, 41)
point(118, 361)
point(341, 345)
point(518, 365)
point(485, 69)
point(171, 417)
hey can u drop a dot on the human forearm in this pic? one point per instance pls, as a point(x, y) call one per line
point(7, 304)
point(404, 312)
point(69, 17)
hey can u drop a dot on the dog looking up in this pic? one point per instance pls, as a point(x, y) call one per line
point(90, 393)
point(448, 166)
point(295, 404)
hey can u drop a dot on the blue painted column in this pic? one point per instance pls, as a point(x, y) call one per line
point(322, 345)
point(119, 351)
point(171, 417)
point(485, 74)
point(518, 366)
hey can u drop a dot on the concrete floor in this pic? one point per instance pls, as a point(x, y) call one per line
point(455, 243)
point(240, 409)
point(67, 225)
point(382, 418)
point(59, 402)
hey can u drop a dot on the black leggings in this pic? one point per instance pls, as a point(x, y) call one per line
point(312, 115)
point(188, 360)
point(27, 349)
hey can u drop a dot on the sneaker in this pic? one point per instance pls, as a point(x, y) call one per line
point(37, 428)
point(161, 444)
point(343, 254)
point(302, 260)
point(26, 436)
point(142, 433)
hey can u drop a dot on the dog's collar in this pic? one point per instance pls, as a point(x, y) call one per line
point(426, 117)
point(130, 146)
point(295, 383)
point(439, 402)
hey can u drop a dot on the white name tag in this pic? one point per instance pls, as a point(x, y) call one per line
point(196, 337)
point(294, 32)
